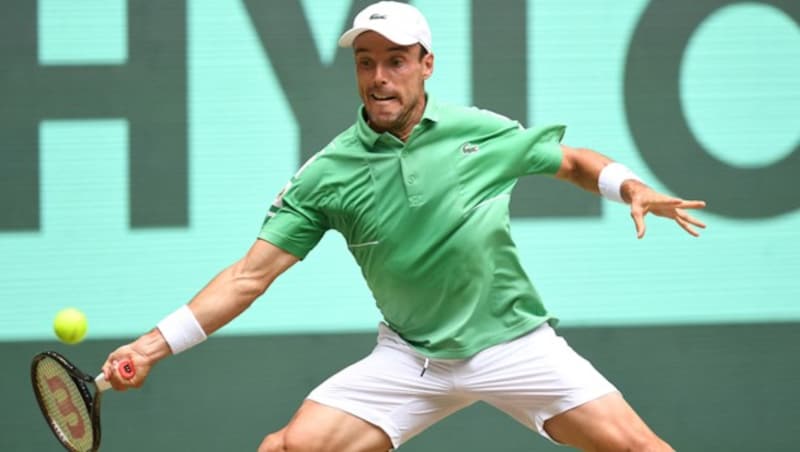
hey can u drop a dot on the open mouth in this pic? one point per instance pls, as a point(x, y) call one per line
point(380, 98)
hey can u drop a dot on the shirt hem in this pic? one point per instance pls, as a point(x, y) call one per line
point(283, 243)
point(509, 335)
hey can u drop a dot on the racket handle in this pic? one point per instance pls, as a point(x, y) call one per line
point(102, 383)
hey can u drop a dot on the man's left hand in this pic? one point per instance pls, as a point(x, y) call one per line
point(644, 200)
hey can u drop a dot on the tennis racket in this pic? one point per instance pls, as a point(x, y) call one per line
point(70, 409)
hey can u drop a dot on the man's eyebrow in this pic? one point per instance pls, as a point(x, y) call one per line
point(390, 49)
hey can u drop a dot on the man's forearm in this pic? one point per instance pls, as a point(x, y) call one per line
point(226, 296)
point(152, 345)
point(582, 167)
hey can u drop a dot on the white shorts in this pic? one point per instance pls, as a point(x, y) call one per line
point(531, 378)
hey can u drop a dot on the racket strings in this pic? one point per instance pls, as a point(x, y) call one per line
point(64, 405)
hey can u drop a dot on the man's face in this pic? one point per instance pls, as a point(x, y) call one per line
point(391, 82)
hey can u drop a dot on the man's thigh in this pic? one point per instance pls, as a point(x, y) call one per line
point(321, 428)
point(604, 424)
point(534, 378)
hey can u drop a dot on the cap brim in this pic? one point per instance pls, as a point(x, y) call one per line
point(347, 38)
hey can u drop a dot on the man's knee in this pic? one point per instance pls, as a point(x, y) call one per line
point(292, 440)
point(625, 440)
point(273, 443)
point(299, 439)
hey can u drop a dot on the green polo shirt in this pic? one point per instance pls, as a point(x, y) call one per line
point(428, 222)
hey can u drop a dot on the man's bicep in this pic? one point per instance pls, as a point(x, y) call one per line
point(534, 151)
point(298, 218)
point(568, 156)
point(268, 260)
point(581, 167)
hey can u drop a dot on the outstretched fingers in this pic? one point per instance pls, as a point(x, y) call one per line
point(694, 204)
point(637, 213)
point(657, 205)
point(686, 227)
point(666, 206)
point(686, 221)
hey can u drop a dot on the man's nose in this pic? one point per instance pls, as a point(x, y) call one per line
point(380, 75)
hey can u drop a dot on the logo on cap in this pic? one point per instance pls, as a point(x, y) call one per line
point(376, 16)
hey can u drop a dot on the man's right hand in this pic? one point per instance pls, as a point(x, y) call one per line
point(144, 353)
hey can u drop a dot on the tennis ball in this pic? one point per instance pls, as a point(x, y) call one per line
point(70, 325)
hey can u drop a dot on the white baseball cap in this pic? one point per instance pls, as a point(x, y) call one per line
point(398, 22)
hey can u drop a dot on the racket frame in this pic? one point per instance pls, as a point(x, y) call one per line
point(81, 380)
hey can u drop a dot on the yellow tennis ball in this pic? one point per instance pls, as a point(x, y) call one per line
point(70, 325)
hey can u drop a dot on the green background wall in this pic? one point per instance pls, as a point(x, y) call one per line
point(703, 388)
point(142, 142)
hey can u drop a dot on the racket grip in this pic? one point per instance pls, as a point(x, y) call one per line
point(126, 369)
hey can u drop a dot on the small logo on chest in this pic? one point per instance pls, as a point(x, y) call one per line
point(470, 148)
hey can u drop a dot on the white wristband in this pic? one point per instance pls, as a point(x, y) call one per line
point(181, 330)
point(611, 178)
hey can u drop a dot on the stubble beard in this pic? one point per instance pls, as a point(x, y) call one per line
point(400, 124)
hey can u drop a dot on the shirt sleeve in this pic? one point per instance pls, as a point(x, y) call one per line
point(536, 150)
point(515, 151)
point(296, 220)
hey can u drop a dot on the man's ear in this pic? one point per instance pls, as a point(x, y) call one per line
point(427, 66)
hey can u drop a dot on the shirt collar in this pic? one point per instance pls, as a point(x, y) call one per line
point(369, 137)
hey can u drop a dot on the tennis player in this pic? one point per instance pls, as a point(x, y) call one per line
point(420, 191)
